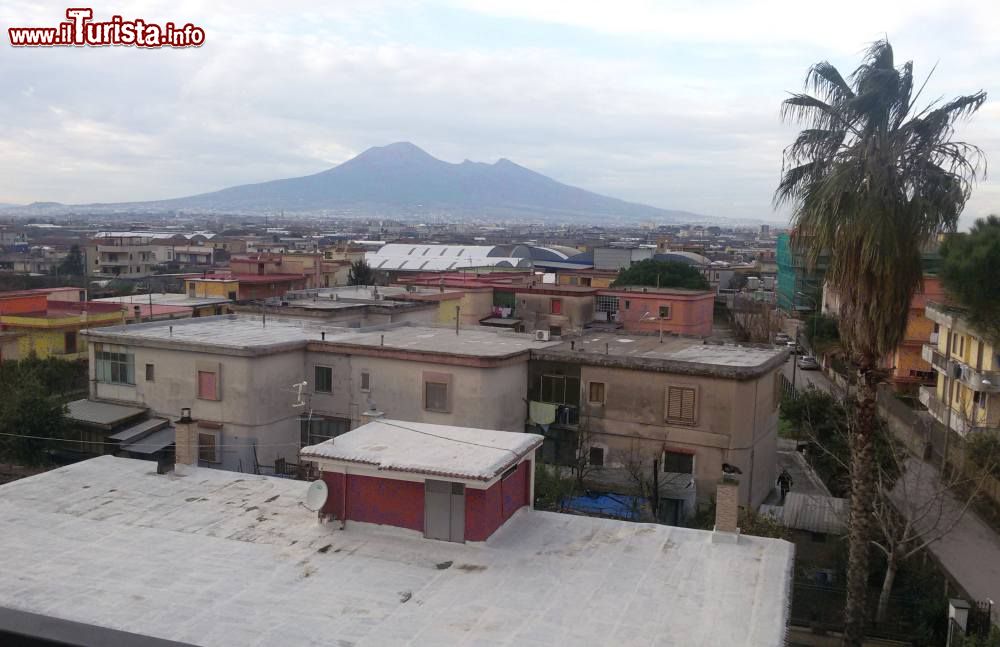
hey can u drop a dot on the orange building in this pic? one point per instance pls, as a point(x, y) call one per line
point(907, 366)
point(652, 310)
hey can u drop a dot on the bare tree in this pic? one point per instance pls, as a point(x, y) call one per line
point(915, 506)
point(754, 321)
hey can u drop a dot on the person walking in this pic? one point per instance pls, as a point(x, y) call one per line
point(784, 484)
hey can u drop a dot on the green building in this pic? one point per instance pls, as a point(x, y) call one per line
point(799, 290)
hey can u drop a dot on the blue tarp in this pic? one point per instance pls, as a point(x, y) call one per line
point(618, 506)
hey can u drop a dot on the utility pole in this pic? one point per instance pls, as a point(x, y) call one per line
point(948, 380)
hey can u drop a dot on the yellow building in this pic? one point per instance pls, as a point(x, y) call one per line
point(50, 328)
point(220, 288)
point(966, 397)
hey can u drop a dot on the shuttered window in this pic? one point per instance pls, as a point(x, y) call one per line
point(681, 405)
point(207, 386)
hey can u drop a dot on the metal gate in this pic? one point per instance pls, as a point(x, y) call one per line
point(444, 510)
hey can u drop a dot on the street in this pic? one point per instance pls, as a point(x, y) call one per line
point(805, 379)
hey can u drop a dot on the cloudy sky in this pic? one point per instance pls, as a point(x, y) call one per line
point(671, 104)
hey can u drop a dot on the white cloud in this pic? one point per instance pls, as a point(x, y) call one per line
point(676, 108)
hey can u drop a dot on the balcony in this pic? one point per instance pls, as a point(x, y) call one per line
point(975, 379)
point(954, 419)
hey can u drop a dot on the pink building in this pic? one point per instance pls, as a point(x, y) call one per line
point(450, 483)
point(650, 310)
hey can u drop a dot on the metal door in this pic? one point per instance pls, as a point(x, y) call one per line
point(444, 510)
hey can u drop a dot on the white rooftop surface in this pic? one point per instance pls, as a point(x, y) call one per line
point(436, 450)
point(474, 342)
point(247, 331)
point(225, 331)
point(164, 299)
point(679, 349)
point(227, 559)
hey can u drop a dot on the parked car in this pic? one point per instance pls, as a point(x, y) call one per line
point(808, 363)
point(795, 348)
point(781, 339)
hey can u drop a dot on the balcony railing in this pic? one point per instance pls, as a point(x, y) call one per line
point(975, 379)
point(939, 411)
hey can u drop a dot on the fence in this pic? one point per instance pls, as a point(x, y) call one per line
point(821, 608)
point(788, 389)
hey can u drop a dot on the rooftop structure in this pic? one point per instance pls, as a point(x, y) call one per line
point(239, 561)
point(432, 450)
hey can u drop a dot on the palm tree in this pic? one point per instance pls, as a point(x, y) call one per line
point(871, 180)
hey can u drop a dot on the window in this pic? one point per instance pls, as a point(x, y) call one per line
point(560, 389)
point(114, 364)
point(595, 456)
point(70, 342)
point(605, 303)
point(628, 304)
point(595, 394)
point(232, 295)
point(555, 331)
point(150, 372)
point(678, 462)
point(324, 379)
point(208, 385)
point(979, 398)
point(436, 396)
point(366, 381)
point(681, 405)
point(318, 429)
point(209, 447)
point(190, 289)
point(555, 306)
point(664, 312)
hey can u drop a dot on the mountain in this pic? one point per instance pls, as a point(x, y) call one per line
point(402, 179)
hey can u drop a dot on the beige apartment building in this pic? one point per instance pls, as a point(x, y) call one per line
point(966, 395)
point(689, 406)
point(260, 388)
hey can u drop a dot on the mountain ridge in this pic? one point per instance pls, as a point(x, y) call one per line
point(403, 179)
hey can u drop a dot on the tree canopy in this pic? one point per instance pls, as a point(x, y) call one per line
point(73, 264)
point(664, 274)
point(361, 273)
point(969, 267)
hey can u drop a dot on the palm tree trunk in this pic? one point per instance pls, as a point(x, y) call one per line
point(891, 567)
point(862, 494)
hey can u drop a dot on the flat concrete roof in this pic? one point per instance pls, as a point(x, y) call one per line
point(687, 355)
point(228, 559)
point(247, 334)
point(219, 334)
point(436, 450)
point(165, 299)
point(480, 341)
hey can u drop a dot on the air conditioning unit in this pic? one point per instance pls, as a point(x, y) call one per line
point(542, 335)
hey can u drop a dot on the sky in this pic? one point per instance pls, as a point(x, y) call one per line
point(672, 104)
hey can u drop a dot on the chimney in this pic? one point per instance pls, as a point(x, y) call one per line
point(372, 414)
point(727, 511)
point(185, 442)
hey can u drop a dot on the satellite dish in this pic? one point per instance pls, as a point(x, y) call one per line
point(316, 495)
